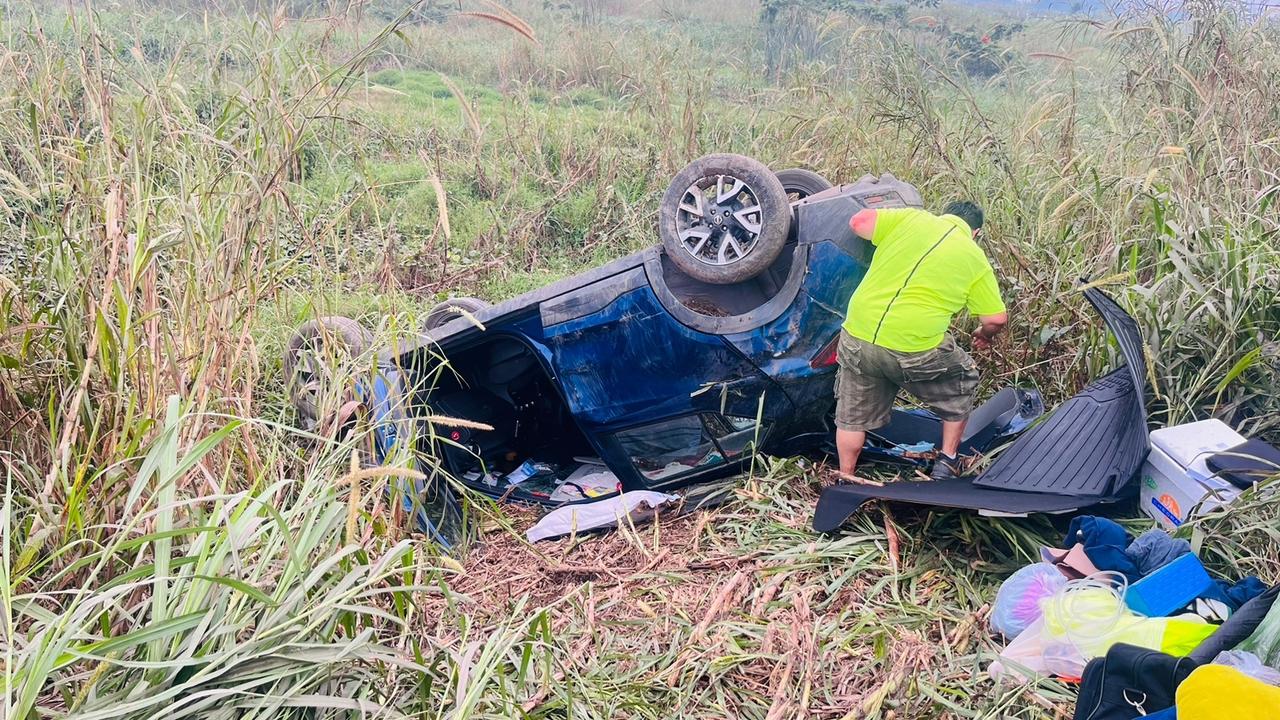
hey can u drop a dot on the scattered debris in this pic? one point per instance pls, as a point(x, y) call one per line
point(634, 506)
point(1132, 620)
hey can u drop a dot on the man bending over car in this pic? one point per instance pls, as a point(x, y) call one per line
point(926, 268)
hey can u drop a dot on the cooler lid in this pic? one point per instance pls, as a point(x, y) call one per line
point(1191, 444)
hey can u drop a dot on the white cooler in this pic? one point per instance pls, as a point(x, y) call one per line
point(1175, 482)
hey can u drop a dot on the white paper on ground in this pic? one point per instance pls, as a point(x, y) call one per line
point(637, 505)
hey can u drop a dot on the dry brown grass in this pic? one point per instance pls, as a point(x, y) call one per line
point(179, 195)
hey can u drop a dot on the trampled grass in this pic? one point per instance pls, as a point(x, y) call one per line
point(181, 187)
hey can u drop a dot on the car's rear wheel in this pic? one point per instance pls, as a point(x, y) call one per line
point(724, 218)
point(313, 366)
point(452, 309)
point(801, 183)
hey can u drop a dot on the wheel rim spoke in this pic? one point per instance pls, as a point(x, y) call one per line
point(694, 208)
point(749, 217)
point(724, 194)
point(730, 243)
point(701, 234)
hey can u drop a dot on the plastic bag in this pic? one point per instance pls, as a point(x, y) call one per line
point(529, 469)
point(1265, 640)
point(1249, 664)
point(1081, 621)
point(633, 506)
point(1018, 601)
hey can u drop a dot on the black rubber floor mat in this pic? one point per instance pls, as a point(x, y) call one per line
point(839, 502)
point(1091, 445)
point(1125, 330)
point(1085, 453)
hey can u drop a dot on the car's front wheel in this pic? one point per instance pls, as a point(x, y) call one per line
point(724, 218)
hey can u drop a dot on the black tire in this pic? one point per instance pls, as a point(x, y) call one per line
point(449, 310)
point(315, 344)
point(801, 183)
point(749, 217)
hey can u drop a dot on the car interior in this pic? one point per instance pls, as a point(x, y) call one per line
point(985, 422)
point(535, 447)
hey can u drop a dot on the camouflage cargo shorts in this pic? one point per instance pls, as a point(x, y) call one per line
point(943, 379)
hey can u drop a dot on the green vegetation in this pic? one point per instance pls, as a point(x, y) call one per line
point(181, 187)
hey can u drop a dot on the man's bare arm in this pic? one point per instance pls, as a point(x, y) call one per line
point(863, 223)
point(988, 328)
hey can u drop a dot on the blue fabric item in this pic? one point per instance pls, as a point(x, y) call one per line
point(1109, 548)
point(923, 446)
point(1166, 714)
point(1104, 542)
point(1235, 594)
point(1154, 549)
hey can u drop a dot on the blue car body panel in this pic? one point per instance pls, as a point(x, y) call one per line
point(666, 363)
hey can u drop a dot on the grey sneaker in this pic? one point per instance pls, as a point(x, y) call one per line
point(946, 468)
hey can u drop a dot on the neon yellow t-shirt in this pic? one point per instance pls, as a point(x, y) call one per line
point(926, 268)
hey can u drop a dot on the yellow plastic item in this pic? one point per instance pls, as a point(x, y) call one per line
point(1096, 619)
point(1218, 692)
point(1183, 636)
point(1080, 622)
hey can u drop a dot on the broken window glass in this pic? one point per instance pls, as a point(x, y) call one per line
point(735, 435)
point(666, 450)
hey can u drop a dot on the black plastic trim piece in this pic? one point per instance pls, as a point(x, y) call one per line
point(839, 502)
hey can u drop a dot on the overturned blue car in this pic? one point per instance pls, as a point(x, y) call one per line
point(671, 366)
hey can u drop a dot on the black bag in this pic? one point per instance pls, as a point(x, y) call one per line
point(1239, 626)
point(1245, 464)
point(1129, 682)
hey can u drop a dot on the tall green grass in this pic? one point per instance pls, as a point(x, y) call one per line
point(179, 188)
point(1139, 152)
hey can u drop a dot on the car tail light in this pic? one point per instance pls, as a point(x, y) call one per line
point(826, 357)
